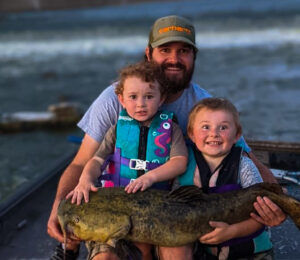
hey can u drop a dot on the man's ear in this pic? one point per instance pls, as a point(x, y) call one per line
point(121, 100)
point(147, 53)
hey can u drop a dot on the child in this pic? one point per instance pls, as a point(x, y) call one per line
point(147, 147)
point(219, 166)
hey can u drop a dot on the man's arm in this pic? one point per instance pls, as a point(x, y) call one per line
point(268, 213)
point(69, 180)
point(264, 171)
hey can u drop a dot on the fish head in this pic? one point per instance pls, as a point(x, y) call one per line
point(89, 221)
point(74, 221)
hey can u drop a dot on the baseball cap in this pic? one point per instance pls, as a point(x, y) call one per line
point(172, 28)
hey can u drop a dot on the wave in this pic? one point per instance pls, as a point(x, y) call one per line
point(99, 44)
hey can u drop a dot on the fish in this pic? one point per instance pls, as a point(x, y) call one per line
point(164, 218)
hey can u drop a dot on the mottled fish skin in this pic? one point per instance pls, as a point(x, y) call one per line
point(162, 218)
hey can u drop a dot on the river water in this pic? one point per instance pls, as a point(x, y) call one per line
point(249, 54)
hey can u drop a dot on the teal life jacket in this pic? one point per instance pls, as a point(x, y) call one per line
point(139, 149)
point(227, 180)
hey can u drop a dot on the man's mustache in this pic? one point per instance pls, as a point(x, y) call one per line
point(177, 65)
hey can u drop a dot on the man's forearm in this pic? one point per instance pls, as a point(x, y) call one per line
point(68, 181)
point(264, 171)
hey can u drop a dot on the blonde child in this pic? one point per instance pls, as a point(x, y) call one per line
point(214, 128)
point(146, 148)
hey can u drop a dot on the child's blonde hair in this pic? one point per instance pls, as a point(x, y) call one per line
point(214, 104)
point(146, 71)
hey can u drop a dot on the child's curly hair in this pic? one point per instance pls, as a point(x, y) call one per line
point(146, 71)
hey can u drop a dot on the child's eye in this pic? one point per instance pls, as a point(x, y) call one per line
point(149, 96)
point(132, 96)
point(223, 127)
point(205, 127)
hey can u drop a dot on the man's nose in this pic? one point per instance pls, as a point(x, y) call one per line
point(173, 57)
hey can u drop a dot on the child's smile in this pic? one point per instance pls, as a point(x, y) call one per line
point(214, 132)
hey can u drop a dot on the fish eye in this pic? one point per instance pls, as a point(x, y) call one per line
point(76, 219)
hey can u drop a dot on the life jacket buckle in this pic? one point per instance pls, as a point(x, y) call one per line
point(137, 164)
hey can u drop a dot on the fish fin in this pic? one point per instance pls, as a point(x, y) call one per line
point(273, 187)
point(111, 242)
point(187, 194)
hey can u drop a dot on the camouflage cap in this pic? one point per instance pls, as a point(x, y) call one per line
point(172, 29)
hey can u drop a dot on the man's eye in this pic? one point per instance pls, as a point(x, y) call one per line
point(185, 50)
point(164, 50)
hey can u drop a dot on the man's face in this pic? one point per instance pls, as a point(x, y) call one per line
point(177, 62)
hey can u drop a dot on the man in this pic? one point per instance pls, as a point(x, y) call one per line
point(172, 46)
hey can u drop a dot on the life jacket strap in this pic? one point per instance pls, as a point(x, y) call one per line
point(135, 164)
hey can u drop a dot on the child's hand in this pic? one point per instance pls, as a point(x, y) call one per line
point(141, 183)
point(220, 234)
point(81, 191)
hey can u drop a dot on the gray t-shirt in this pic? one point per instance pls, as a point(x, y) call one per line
point(248, 173)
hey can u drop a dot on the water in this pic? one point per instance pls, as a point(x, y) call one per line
point(252, 57)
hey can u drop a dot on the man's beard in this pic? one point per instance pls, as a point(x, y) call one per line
point(177, 83)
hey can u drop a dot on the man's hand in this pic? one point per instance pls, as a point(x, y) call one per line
point(269, 213)
point(54, 230)
point(53, 227)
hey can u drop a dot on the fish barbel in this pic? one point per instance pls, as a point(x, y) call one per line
point(162, 218)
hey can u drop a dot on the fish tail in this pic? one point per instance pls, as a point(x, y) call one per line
point(291, 206)
point(295, 211)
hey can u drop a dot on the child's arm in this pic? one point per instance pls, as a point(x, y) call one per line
point(224, 231)
point(172, 168)
point(86, 182)
point(92, 169)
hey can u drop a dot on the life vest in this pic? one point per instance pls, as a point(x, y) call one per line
point(227, 180)
point(139, 149)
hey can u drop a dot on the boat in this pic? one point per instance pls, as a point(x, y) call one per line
point(24, 216)
point(283, 158)
point(58, 116)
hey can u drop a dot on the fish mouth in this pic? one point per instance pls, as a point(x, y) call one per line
point(70, 233)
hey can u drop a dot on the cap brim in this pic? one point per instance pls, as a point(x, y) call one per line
point(172, 39)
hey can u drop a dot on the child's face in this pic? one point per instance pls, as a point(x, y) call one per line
point(214, 132)
point(139, 99)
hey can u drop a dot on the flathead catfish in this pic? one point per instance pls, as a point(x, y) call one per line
point(161, 218)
